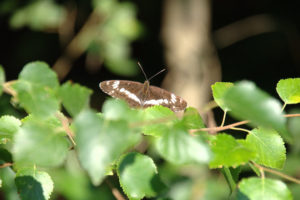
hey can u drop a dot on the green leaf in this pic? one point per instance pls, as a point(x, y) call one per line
point(74, 97)
point(36, 89)
point(9, 188)
point(39, 15)
point(138, 176)
point(33, 184)
point(192, 119)
point(41, 143)
point(218, 90)
point(117, 109)
point(100, 142)
point(36, 99)
point(178, 146)
point(9, 125)
point(2, 79)
point(160, 119)
point(229, 152)
point(258, 188)
point(269, 147)
point(289, 90)
point(247, 102)
point(5, 156)
point(39, 73)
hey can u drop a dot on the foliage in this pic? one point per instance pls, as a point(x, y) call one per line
point(38, 153)
point(106, 36)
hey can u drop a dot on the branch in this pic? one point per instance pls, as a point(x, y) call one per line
point(78, 45)
point(7, 88)
point(6, 165)
point(221, 128)
point(277, 173)
point(117, 194)
point(230, 126)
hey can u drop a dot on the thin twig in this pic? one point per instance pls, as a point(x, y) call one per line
point(78, 44)
point(292, 115)
point(277, 173)
point(6, 165)
point(218, 129)
point(65, 123)
point(7, 88)
point(117, 194)
point(230, 126)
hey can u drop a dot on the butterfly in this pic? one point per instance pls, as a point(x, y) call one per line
point(142, 95)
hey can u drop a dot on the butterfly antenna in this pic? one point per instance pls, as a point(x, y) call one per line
point(142, 70)
point(156, 74)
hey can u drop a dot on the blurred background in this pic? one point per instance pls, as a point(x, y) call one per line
point(199, 42)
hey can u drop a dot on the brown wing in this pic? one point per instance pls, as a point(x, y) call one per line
point(125, 90)
point(159, 96)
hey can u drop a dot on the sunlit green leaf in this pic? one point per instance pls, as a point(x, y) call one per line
point(269, 147)
point(120, 28)
point(9, 125)
point(36, 89)
point(33, 184)
point(74, 97)
point(39, 15)
point(100, 142)
point(229, 152)
point(264, 188)
point(289, 90)
point(9, 188)
point(36, 99)
point(178, 146)
point(159, 119)
point(121, 66)
point(41, 143)
point(39, 73)
point(248, 102)
point(192, 119)
point(116, 109)
point(218, 90)
point(138, 176)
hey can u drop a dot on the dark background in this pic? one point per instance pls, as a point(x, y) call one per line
point(264, 58)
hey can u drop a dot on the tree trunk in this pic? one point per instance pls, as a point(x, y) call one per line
point(191, 58)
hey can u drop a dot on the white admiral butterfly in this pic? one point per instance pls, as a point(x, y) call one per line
point(140, 95)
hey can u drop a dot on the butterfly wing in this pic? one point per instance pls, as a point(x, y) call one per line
point(159, 96)
point(125, 90)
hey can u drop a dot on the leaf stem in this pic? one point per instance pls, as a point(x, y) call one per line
point(240, 129)
point(292, 179)
point(229, 178)
point(283, 107)
point(224, 117)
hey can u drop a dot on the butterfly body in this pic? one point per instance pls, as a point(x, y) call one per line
point(139, 95)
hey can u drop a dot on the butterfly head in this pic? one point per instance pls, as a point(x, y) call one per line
point(146, 87)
